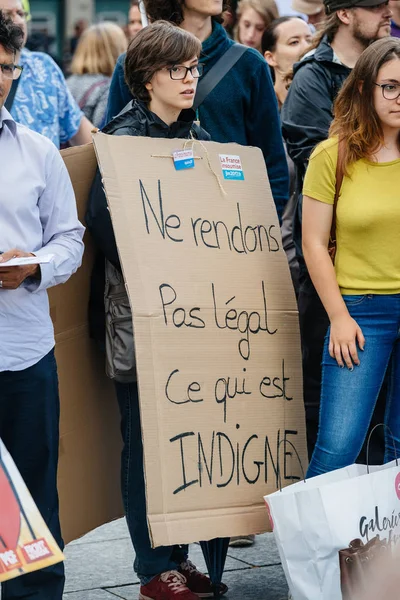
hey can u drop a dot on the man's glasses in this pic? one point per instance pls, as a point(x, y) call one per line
point(180, 72)
point(11, 71)
point(390, 91)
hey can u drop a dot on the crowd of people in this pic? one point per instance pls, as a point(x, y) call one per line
point(315, 86)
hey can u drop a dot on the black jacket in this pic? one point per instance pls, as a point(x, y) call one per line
point(308, 112)
point(134, 120)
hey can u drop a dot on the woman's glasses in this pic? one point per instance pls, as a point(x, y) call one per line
point(180, 72)
point(390, 91)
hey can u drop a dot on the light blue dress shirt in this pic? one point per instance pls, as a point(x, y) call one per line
point(37, 214)
point(43, 101)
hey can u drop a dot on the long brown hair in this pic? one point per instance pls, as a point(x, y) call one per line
point(356, 122)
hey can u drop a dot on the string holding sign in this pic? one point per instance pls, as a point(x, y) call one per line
point(193, 142)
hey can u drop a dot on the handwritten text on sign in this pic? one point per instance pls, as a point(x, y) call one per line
point(242, 238)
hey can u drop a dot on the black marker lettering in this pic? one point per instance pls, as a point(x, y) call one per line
point(185, 484)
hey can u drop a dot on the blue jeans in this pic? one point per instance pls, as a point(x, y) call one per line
point(348, 398)
point(149, 561)
point(29, 418)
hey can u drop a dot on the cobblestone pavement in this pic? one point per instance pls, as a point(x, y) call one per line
point(99, 567)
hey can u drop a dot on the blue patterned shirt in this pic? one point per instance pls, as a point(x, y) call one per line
point(43, 102)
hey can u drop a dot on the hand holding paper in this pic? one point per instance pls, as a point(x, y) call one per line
point(26, 259)
point(16, 266)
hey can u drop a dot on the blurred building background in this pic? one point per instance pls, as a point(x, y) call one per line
point(56, 22)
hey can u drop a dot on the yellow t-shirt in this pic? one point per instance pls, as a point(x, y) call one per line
point(367, 219)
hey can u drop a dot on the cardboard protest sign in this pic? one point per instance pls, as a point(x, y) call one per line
point(26, 544)
point(90, 439)
point(216, 332)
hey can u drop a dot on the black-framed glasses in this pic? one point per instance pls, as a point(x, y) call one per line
point(180, 71)
point(390, 91)
point(11, 71)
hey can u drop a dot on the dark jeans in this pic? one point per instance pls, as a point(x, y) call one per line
point(149, 561)
point(314, 324)
point(349, 396)
point(29, 428)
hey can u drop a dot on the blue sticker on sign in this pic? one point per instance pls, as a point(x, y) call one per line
point(231, 166)
point(183, 159)
point(231, 174)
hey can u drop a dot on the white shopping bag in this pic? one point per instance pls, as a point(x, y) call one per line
point(313, 520)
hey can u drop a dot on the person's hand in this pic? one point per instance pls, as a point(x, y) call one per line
point(12, 277)
point(345, 334)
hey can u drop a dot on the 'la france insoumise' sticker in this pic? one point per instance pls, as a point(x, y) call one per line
point(231, 166)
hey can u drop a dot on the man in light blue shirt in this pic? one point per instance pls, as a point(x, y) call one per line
point(38, 217)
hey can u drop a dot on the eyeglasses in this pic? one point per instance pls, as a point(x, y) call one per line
point(11, 71)
point(22, 14)
point(390, 91)
point(180, 72)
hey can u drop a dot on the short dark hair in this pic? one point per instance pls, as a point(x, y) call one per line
point(172, 10)
point(270, 37)
point(158, 45)
point(11, 36)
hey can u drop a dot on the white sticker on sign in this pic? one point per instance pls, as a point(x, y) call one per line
point(231, 166)
point(183, 159)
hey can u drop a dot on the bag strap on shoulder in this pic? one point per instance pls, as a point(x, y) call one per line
point(217, 72)
point(338, 185)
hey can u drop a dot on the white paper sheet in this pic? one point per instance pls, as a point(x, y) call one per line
point(27, 260)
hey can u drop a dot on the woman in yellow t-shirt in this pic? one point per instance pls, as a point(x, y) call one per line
point(361, 292)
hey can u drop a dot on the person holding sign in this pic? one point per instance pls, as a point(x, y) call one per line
point(236, 100)
point(351, 194)
point(162, 69)
point(38, 218)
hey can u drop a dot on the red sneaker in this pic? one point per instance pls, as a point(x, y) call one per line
point(170, 585)
point(198, 583)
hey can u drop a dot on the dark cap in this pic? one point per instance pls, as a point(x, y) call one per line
point(332, 6)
